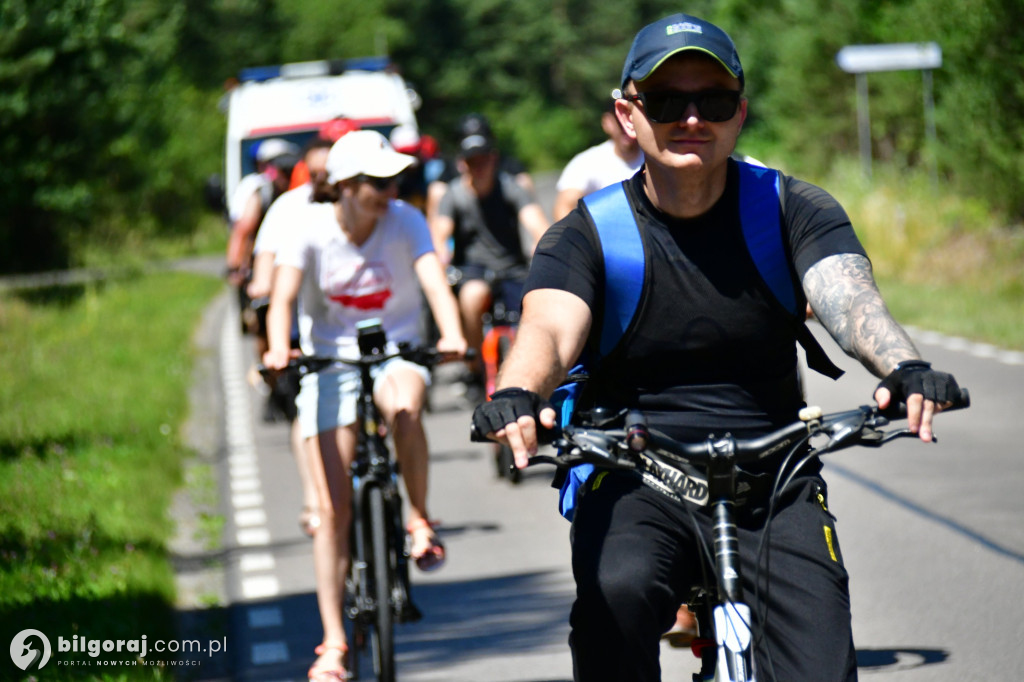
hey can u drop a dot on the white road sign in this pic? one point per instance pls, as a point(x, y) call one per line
point(891, 57)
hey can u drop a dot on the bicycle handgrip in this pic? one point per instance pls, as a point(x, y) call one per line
point(476, 436)
point(899, 410)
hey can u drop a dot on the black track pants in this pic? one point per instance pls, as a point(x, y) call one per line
point(635, 556)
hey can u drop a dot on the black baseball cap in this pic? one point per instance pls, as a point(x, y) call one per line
point(658, 41)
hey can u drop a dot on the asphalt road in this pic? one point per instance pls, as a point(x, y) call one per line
point(931, 535)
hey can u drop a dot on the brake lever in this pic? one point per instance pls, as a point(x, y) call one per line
point(556, 461)
point(903, 433)
point(843, 431)
point(573, 453)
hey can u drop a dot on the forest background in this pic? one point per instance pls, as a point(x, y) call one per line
point(109, 119)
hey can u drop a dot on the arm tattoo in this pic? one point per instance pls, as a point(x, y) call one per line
point(845, 299)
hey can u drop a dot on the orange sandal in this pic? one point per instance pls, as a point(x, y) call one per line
point(326, 673)
point(431, 557)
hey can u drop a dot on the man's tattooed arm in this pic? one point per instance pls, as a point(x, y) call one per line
point(845, 299)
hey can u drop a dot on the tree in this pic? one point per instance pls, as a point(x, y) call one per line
point(103, 130)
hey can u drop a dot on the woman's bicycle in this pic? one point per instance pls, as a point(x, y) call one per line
point(377, 587)
point(621, 440)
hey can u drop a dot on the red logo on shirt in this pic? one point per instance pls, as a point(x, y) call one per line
point(369, 288)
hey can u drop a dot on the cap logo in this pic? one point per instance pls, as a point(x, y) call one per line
point(683, 27)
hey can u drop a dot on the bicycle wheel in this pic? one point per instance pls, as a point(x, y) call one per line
point(384, 618)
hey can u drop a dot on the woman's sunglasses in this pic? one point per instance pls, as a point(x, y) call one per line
point(670, 106)
point(379, 184)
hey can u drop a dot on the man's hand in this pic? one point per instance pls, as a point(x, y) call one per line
point(511, 416)
point(925, 391)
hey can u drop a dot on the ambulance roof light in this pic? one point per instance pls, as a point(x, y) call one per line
point(324, 67)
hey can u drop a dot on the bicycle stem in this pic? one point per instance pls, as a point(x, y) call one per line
point(721, 497)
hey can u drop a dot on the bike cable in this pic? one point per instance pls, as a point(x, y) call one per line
point(763, 556)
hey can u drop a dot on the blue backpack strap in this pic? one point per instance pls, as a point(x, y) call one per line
point(760, 219)
point(624, 265)
point(762, 231)
point(624, 272)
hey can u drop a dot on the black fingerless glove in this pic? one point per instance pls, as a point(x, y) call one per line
point(917, 376)
point(505, 407)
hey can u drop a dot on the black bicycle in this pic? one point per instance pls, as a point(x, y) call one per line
point(377, 586)
point(621, 440)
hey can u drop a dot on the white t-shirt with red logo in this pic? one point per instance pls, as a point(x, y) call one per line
point(343, 284)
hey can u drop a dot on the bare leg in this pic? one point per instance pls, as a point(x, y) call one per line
point(400, 398)
point(330, 475)
point(310, 519)
point(474, 301)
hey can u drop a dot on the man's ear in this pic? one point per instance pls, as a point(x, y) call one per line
point(622, 113)
point(742, 114)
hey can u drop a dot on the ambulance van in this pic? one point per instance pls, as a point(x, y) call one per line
point(293, 101)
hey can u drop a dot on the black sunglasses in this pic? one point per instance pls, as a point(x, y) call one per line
point(670, 106)
point(379, 184)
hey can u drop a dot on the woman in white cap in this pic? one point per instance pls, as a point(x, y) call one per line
point(358, 254)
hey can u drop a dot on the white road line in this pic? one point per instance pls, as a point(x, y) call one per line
point(243, 456)
point(243, 500)
point(256, 561)
point(250, 517)
point(260, 587)
point(249, 484)
point(253, 537)
point(961, 345)
point(242, 470)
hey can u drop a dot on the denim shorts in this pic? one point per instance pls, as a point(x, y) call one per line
point(327, 399)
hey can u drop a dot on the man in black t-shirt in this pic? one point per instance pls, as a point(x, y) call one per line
point(710, 352)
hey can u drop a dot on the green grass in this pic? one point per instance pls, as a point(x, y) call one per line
point(93, 391)
point(958, 311)
point(943, 262)
point(125, 249)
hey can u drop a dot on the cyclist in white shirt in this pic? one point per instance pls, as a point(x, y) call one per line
point(360, 254)
point(278, 227)
point(614, 160)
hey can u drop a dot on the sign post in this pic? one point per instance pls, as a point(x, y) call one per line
point(863, 59)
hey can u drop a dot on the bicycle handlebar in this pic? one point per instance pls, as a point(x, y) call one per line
point(310, 364)
point(614, 447)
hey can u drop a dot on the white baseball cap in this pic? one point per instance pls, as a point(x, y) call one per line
point(365, 152)
point(275, 147)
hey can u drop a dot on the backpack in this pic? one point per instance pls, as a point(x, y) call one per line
point(625, 267)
